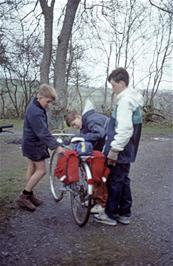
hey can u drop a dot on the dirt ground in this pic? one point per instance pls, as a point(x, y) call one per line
point(50, 237)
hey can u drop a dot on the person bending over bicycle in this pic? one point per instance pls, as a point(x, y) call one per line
point(93, 128)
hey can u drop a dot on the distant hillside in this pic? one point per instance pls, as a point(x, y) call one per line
point(76, 97)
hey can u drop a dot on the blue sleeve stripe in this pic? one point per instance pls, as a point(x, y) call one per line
point(137, 116)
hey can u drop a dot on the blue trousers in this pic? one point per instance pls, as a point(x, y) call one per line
point(119, 193)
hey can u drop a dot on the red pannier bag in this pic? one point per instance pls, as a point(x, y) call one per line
point(98, 167)
point(67, 168)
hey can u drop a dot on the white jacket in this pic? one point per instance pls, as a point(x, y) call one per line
point(127, 102)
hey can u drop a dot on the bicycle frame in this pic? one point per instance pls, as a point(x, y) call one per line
point(80, 192)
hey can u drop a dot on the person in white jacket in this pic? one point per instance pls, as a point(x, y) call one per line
point(121, 147)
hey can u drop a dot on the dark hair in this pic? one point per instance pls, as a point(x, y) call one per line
point(119, 74)
point(70, 116)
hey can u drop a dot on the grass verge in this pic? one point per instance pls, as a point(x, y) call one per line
point(17, 124)
point(157, 130)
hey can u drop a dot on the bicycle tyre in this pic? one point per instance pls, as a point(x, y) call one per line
point(57, 187)
point(80, 199)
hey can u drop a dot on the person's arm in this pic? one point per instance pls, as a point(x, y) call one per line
point(124, 126)
point(123, 130)
point(97, 132)
point(39, 126)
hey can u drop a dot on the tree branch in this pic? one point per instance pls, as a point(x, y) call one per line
point(30, 11)
point(161, 8)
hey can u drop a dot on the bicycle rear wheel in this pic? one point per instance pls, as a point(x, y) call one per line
point(80, 199)
point(57, 187)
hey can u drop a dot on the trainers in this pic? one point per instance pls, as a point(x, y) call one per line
point(104, 219)
point(35, 200)
point(97, 209)
point(123, 219)
point(25, 202)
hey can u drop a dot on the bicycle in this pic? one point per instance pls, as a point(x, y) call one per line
point(80, 192)
point(5, 127)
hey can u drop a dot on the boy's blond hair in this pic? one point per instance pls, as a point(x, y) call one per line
point(47, 92)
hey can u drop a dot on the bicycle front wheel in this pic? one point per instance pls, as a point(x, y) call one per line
point(80, 198)
point(57, 187)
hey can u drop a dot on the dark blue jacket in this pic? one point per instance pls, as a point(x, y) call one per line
point(36, 136)
point(94, 128)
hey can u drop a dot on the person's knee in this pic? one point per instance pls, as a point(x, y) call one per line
point(43, 172)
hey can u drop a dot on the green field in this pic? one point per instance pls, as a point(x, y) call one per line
point(148, 129)
point(17, 123)
point(157, 130)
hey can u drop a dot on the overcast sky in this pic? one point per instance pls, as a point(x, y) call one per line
point(95, 59)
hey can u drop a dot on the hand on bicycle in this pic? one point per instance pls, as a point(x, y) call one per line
point(112, 157)
point(60, 150)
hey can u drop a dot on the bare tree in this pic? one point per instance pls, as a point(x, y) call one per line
point(20, 70)
point(47, 48)
point(21, 75)
point(3, 58)
point(165, 7)
point(118, 35)
point(60, 64)
point(162, 50)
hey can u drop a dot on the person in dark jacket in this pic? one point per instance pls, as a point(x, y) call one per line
point(93, 128)
point(35, 143)
point(121, 148)
point(92, 125)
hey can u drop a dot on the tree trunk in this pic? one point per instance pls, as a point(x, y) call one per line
point(47, 50)
point(60, 65)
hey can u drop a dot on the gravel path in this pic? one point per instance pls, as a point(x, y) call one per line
point(50, 237)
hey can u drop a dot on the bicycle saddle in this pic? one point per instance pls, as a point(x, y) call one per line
point(77, 139)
